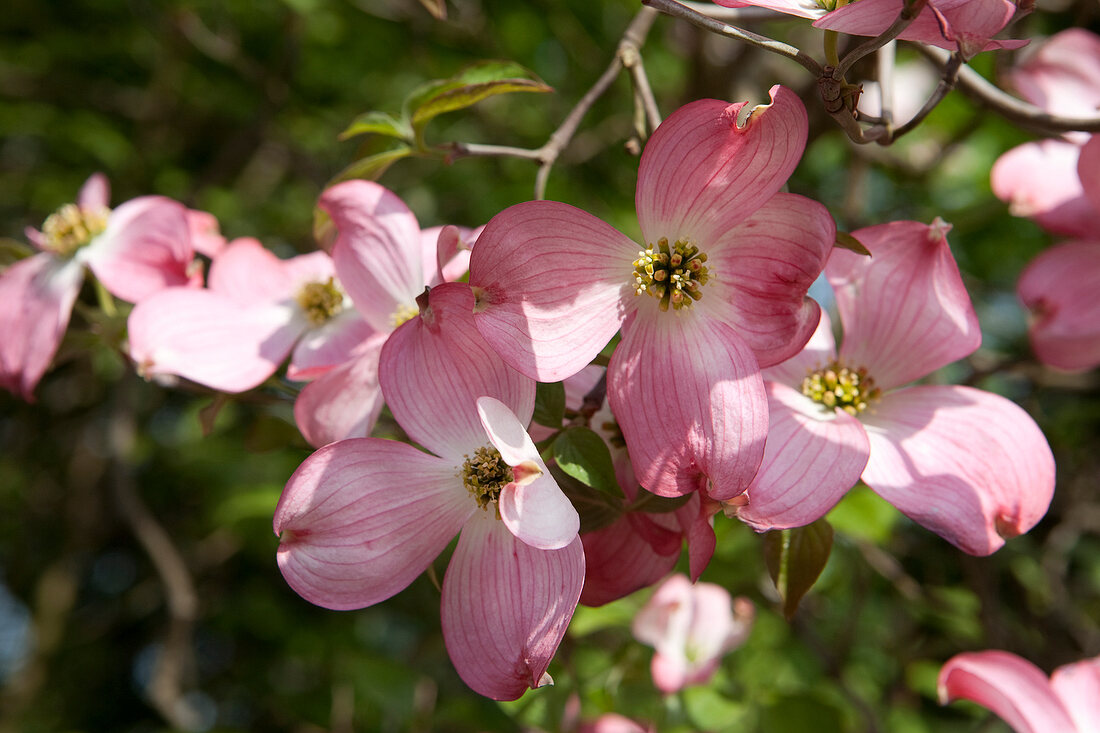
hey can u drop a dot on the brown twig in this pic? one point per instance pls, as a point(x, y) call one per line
point(905, 17)
point(708, 23)
point(975, 86)
point(166, 686)
point(628, 57)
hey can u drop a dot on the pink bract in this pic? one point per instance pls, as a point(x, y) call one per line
point(964, 25)
point(362, 518)
point(139, 248)
point(1061, 288)
point(969, 465)
point(1019, 692)
point(691, 626)
point(554, 284)
point(234, 335)
point(967, 26)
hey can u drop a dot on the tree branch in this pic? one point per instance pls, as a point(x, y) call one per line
point(707, 23)
point(975, 86)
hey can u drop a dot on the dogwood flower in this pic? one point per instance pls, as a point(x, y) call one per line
point(969, 465)
point(1045, 180)
point(691, 626)
point(362, 518)
point(1061, 289)
point(1019, 692)
point(639, 547)
point(717, 290)
point(964, 25)
point(135, 250)
point(256, 310)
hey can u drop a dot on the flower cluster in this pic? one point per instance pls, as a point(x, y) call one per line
point(724, 389)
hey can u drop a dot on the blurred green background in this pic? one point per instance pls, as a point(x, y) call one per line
point(139, 587)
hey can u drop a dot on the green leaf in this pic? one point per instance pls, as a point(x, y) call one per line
point(549, 404)
point(582, 454)
point(468, 87)
point(596, 509)
point(844, 240)
point(795, 559)
point(379, 123)
point(373, 166)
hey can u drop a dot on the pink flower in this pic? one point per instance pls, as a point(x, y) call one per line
point(614, 723)
point(362, 518)
point(967, 26)
point(718, 290)
point(1019, 692)
point(1046, 180)
point(256, 311)
point(969, 465)
point(692, 626)
point(964, 25)
point(1061, 288)
point(639, 548)
point(140, 247)
point(334, 313)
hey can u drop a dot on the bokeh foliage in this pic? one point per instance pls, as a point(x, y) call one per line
point(234, 106)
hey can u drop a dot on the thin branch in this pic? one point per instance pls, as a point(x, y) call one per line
point(746, 14)
point(632, 62)
point(166, 686)
point(626, 56)
point(947, 83)
point(905, 17)
point(707, 23)
point(975, 86)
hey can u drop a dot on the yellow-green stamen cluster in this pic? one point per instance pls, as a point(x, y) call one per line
point(485, 474)
point(72, 227)
point(321, 301)
point(403, 313)
point(674, 274)
point(838, 386)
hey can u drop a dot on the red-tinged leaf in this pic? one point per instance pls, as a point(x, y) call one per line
point(469, 86)
point(653, 504)
point(795, 559)
point(372, 167)
point(378, 123)
point(844, 240)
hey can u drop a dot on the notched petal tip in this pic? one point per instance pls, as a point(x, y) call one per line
point(543, 681)
point(938, 229)
point(526, 472)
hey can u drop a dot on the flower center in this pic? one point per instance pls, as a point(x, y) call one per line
point(485, 474)
point(674, 275)
point(321, 301)
point(838, 386)
point(403, 313)
point(72, 227)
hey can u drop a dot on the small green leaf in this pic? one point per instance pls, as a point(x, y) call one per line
point(795, 558)
point(379, 123)
point(373, 166)
point(844, 240)
point(209, 414)
point(582, 454)
point(596, 509)
point(468, 87)
point(549, 404)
